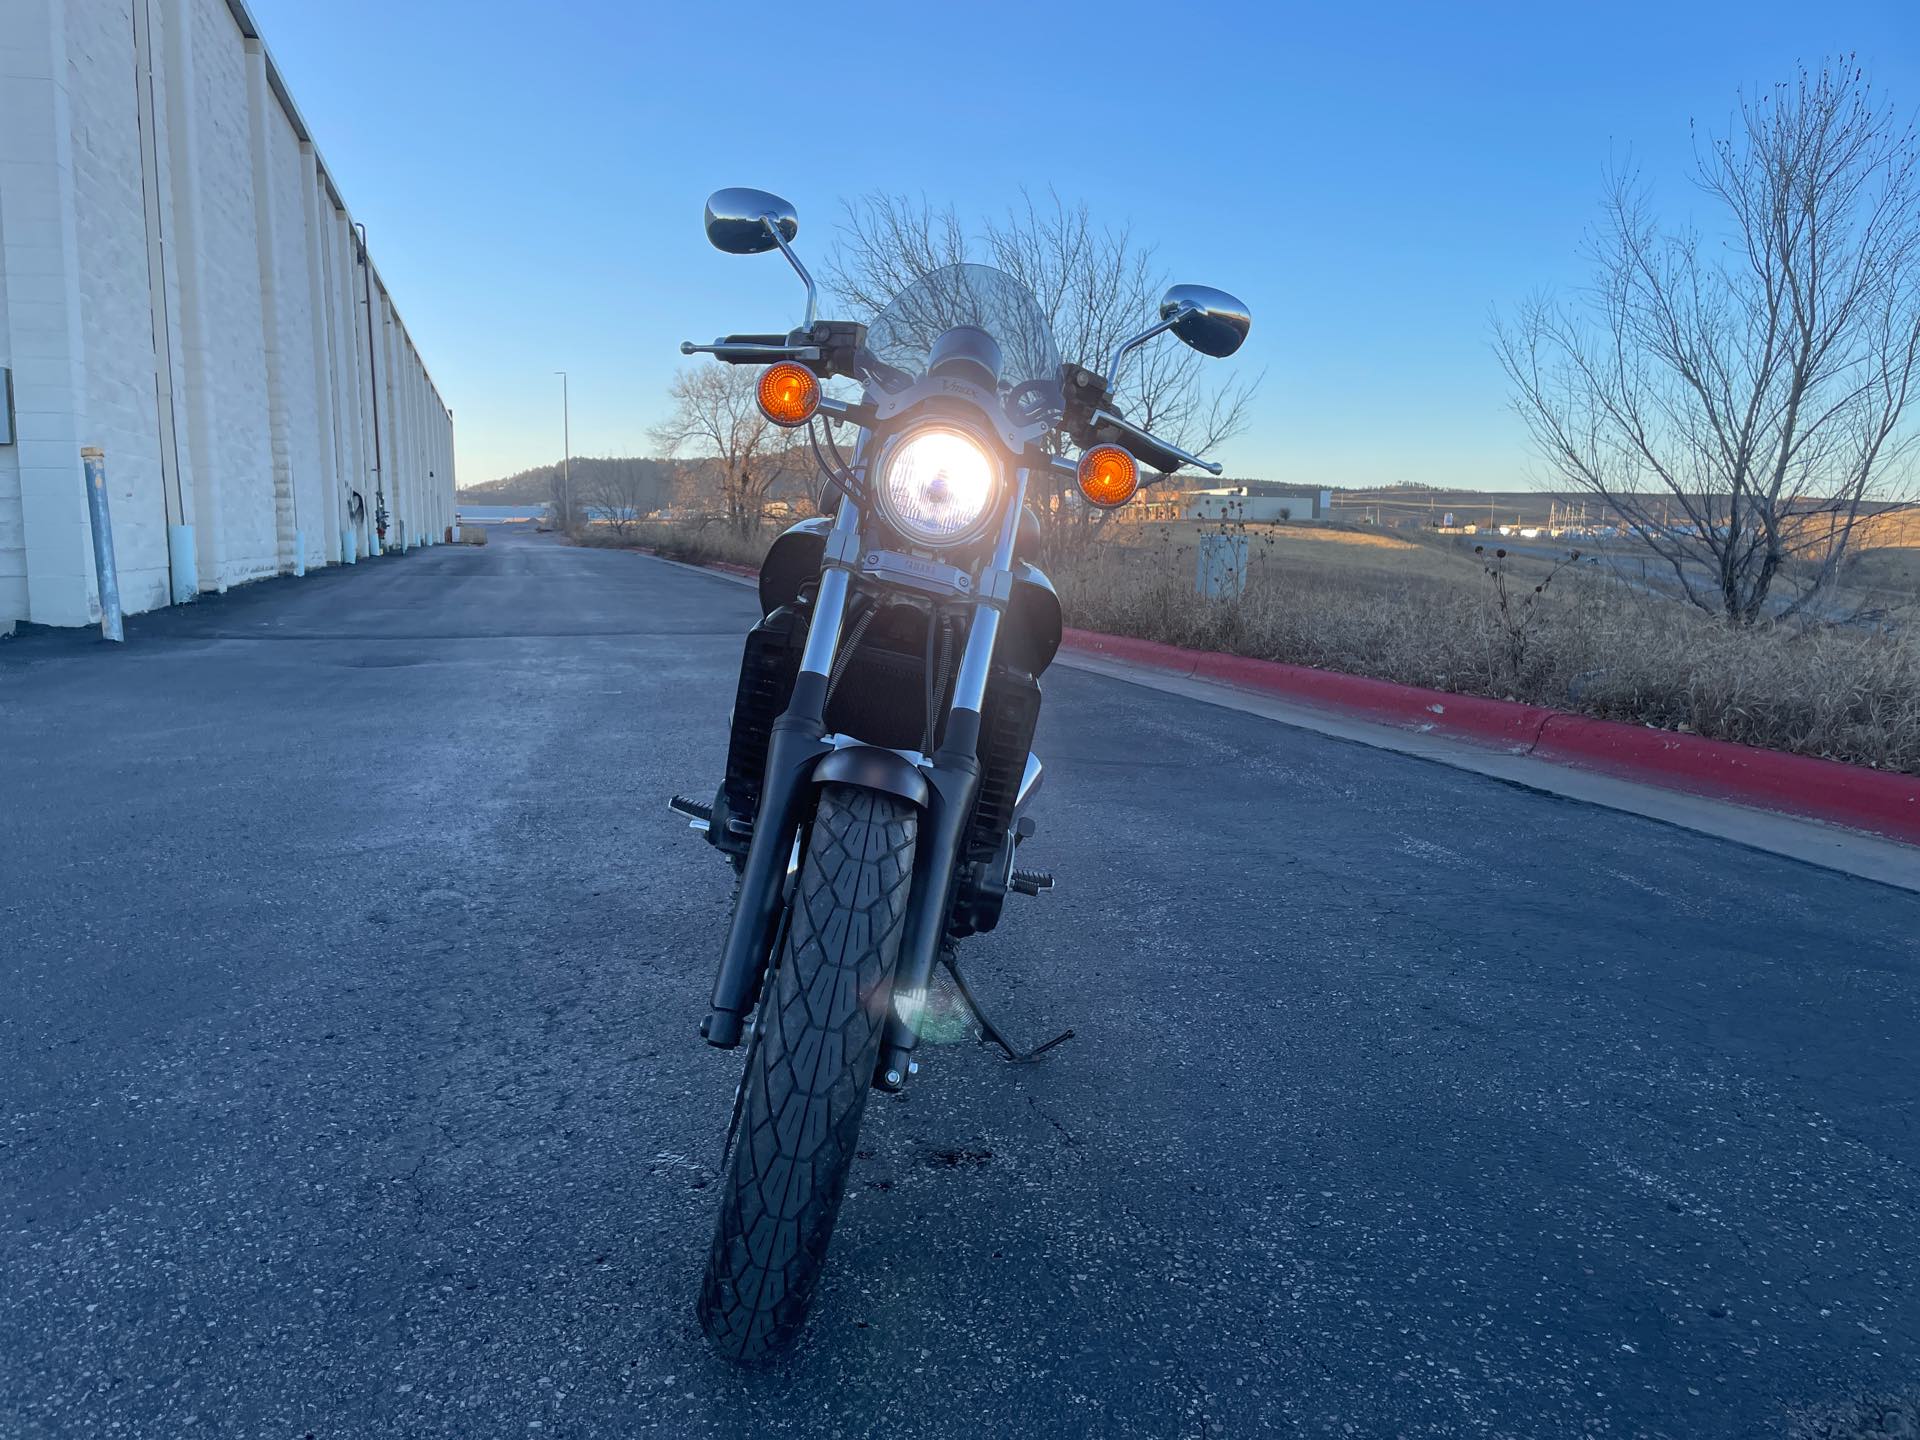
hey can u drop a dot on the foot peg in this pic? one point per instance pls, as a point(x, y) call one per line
point(699, 816)
point(1032, 882)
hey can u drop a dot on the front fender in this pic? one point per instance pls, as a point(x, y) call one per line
point(873, 767)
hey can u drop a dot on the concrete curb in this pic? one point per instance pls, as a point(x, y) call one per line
point(1878, 801)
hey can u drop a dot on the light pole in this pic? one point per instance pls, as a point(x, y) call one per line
point(566, 457)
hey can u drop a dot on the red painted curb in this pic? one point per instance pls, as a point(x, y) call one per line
point(1878, 800)
point(1499, 723)
point(1852, 795)
point(1465, 717)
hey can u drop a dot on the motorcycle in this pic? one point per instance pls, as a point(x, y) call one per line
point(879, 771)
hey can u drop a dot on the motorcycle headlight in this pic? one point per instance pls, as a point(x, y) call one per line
point(937, 484)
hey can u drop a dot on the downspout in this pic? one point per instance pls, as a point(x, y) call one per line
point(183, 578)
point(373, 384)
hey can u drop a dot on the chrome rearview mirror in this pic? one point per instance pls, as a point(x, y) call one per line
point(743, 222)
point(1210, 321)
point(1204, 319)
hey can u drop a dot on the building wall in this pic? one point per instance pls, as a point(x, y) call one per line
point(227, 360)
point(13, 538)
point(45, 537)
point(181, 286)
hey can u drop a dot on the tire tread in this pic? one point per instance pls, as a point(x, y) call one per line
point(810, 1073)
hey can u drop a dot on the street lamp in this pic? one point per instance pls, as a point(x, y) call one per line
point(566, 457)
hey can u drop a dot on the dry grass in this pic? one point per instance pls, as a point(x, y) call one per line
point(1589, 643)
point(1427, 614)
point(1888, 574)
point(1895, 528)
point(696, 544)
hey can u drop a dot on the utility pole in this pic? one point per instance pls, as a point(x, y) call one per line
point(566, 457)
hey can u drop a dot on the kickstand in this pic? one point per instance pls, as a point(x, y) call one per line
point(989, 1032)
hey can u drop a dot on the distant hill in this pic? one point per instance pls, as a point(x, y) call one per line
point(651, 481)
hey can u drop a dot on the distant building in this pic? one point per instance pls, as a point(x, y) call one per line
point(1256, 502)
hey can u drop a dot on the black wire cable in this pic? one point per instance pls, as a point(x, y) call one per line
point(826, 470)
point(834, 445)
point(840, 476)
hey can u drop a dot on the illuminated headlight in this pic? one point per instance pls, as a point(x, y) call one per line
point(937, 485)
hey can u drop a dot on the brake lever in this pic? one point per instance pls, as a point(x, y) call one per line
point(750, 352)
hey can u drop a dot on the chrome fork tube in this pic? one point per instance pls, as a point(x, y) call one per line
point(830, 604)
point(970, 689)
point(795, 743)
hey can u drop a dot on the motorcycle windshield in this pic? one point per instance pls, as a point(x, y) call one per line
point(902, 336)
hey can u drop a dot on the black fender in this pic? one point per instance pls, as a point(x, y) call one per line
point(873, 767)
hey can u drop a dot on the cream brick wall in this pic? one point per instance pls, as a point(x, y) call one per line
point(297, 444)
point(186, 292)
point(228, 361)
point(116, 317)
point(13, 534)
point(38, 243)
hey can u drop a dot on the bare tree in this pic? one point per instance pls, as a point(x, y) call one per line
point(1096, 287)
point(619, 494)
point(1740, 398)
point(739, 456)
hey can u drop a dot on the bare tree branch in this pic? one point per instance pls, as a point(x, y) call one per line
point(741, 457)
point(1741, 398)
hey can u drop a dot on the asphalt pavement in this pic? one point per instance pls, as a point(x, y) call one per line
point(350, 966)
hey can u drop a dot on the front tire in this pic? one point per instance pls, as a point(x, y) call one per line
point(809, 1072)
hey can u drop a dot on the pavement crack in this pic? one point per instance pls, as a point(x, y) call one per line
point(1066, 1135)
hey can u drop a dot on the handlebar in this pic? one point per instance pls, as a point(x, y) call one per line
point(839, 348)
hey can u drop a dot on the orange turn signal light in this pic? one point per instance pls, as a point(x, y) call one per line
point(1108, 476)
point(789, 393)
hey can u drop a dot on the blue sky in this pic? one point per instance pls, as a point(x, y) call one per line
point(1373, 179)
